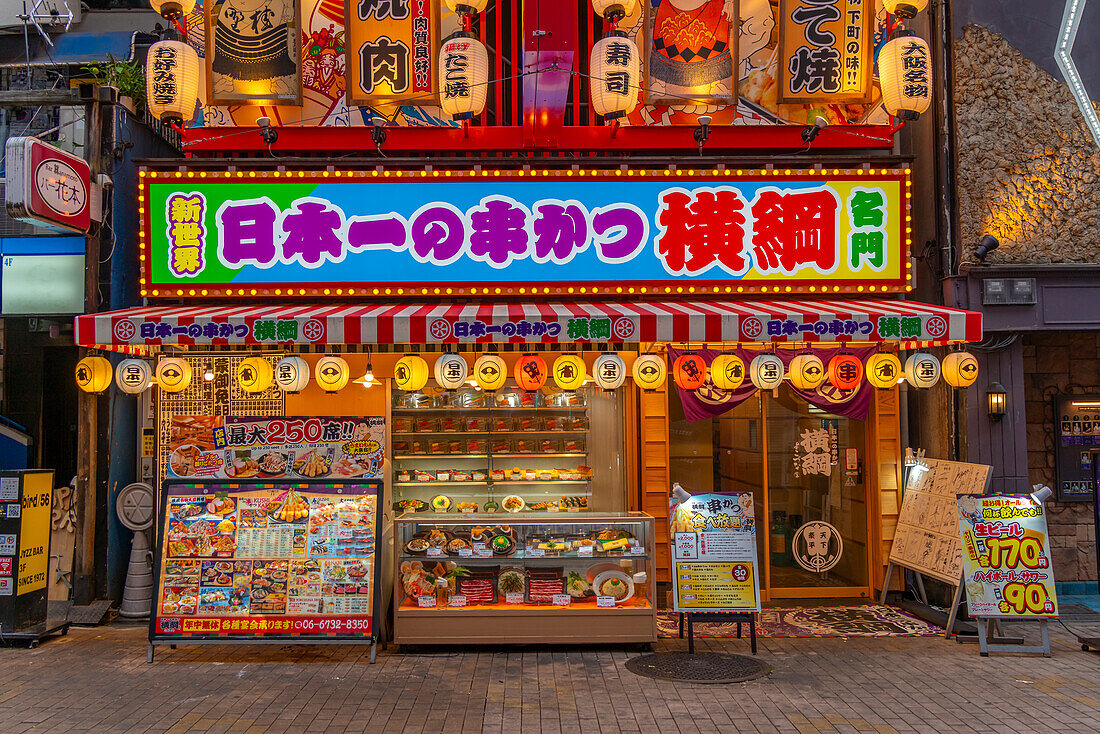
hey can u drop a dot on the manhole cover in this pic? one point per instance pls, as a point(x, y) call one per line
point(701, 667)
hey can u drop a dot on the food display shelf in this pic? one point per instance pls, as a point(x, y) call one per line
point(504, 409)
point(434, 483)
point(522, 556)
point(481, 433)
point(486, 456)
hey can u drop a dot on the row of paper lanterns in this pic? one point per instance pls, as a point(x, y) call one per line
point(568, 371)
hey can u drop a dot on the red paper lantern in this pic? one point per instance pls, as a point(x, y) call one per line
point(531, 372)
point(689, 371)
point(845, 371)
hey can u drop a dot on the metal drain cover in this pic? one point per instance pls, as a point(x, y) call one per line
point(700, 667)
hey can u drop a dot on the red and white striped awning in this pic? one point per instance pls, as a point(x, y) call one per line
point(907, 323)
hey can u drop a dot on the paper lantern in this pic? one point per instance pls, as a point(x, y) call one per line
point(467, 6)
point(905, 76)
point(173, 72)
point(689, 371)
point(845, 371)
point(172, 9)
point(133, 375)
point(331, 373)
point(292, 374)
point(93, 374)
point(254, 374)
point(450, 371)
point(904, 8)
point(569, 372)
point(614, 10)
point(615, 74)
point(649, 371)
point(806, 372)
point(530, 372)
point(727, 372)
point(410, 373)
point(173, 374)
point(490, 372)
point(463, 75)
point(883, 370)
point(766, 371)
point(960, 369)
point(922, 370)
point(609, 371)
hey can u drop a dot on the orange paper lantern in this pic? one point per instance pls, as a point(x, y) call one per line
point(689, 371)
point(530, 372)
point(845, 371)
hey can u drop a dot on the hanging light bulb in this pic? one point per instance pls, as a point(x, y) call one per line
point(467, 6)
point(905, 76)
point(172, 75)
point(615, 71)
point(614, 10)
point(172, 9)
point(369, 375)
point(904, 8)
point(208, 375)
point(463, 75)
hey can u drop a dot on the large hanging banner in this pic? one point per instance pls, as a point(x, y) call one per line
point(242, 560)
point(1006, 556)
point(656, 232)
point(715, 568)
point(253, 52)
point(825, 51)
point(391, 51)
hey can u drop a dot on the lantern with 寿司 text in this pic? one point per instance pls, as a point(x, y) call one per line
point(614, 75)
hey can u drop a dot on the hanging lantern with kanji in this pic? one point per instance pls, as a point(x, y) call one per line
point(450, 371)
point(490, 372)
point(766, 371)
point(569, 372)
point(254, 374)
point(173, 374)
point(689, 371)
point(727, 372)
point(883, 370)
point(331, 373)
point(905, 76)
point(922, 370)
point(960, 369)
point(614, 75)
point(463, 75)
point(806, 372)
point(410, 373)
point(133, 375)
point(292, 374)
point(530, 372)
point(609, 371)
point(845, 371)
point(649, 371)
point(173, 73)
point(93, 374)
point(614, 10)
point(904, 8)
point(173, 9)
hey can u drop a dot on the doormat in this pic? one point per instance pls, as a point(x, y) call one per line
point(868, 620)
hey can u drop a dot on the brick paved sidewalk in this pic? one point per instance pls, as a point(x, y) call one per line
point(97, 680)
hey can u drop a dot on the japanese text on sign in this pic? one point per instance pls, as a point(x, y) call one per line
point(825, 50)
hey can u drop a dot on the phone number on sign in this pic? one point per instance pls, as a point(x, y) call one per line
point(349, 624)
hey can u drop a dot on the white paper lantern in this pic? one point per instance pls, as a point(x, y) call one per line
point(133, 375)
point(616, 72)
point(766, 371)
point(922, 370)
point(172, 9)
point(609, 371)
point(905, 76)
point(450, 371)
point(649, 371)
point(806, 372)
point(463, 75)
point(615, 10)
point(292, 374)
point(173, 374)
point(173, 72)
point(467, 6)
point(331, 373)
point(904, 8)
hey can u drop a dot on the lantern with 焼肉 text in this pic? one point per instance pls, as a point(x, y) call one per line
point(173, 374)
point(93, 374)
point(133, 375)
point(960, 369)
point(569, 372)
point(905, 76)
point(883, 370)
point(689, 371)
point(254, 374)
point(609, 371)
point(614, 75)
point(490, 372)
point(331, 373)
point(845, 372)
point(727, 372)
point(410, 373)
point(766, 371)
point(463, 75)
point(292, 374)
point(173, 72)
point(649, 371)
point(530, 372)
point(922, 370)
point(806, 372)
point(450, 371)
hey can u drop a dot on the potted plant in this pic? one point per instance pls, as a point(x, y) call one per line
point(128, 77)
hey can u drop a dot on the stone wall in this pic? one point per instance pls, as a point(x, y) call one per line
point(1028, 170)
point(1060, 363)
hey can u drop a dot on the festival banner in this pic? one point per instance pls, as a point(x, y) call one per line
point(715, 566)
point(1007, 567)
point(825, 51)
point(391, 51)
point(233, 447)
point(657, 232)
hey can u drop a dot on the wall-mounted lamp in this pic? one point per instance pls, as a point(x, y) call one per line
point(378, 133)
point(988, 244)
point(996, 401)
point(810, 132)
point(268, 133)
point(702, 132)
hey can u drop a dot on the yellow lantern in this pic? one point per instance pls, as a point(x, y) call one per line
point(569, 372)
point(254, 374)
point(410, 373)
point(614, 10)
point(173, 374)
point(133, 375)
point(173, 72)
point(292, 374)
point(93, 374)
point(450, 371)
point(172, 9)
point(904, 8)
point(463, 75)
point(766, 371)
point(806, 372)
point(490, 372)
point(467, 6)
point(905, 76)
point(331, 372)
point(727, 372)
point(649, 371)
point(960, 369)
point(615, 73)
point(609, 371)
point(922, 370)
point(883, 370)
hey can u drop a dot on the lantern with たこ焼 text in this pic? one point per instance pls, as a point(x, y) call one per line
point(463, 75)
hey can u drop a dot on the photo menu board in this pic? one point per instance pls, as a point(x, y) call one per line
point(257, 559)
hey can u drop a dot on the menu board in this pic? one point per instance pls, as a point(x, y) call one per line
point(231, 447)
point(1006, 556)
point(1077, 445)
point(714, 558)
point(246, 559)
point(927, 536)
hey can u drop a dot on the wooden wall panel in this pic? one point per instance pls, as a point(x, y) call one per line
point(884, 439)
point(653, 453)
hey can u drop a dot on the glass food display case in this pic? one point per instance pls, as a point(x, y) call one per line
point(524, 578)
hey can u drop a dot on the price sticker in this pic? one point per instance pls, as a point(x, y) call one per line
point(457, 600)
point(484, 553)
point(478, 547)
point(636, 550)
point(435, 552)
point(562, 600)
point(425, 602)
point(605, 601)
point(465, 552)
point(536, 553)
point(584, 550)
point(513, 597)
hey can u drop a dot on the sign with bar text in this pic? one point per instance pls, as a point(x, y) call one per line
point(650, 233)
point(715, 568)
point(391, 51)
point(826, 51)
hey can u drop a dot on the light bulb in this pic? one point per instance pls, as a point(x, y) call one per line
point(369, 376)
point(208, 376)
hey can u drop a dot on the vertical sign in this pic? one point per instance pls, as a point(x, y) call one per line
point(714, 560)
point(253, 52)
point(391, 51)
point(825, 50)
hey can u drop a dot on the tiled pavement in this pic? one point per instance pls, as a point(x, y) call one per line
point(97, 680)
